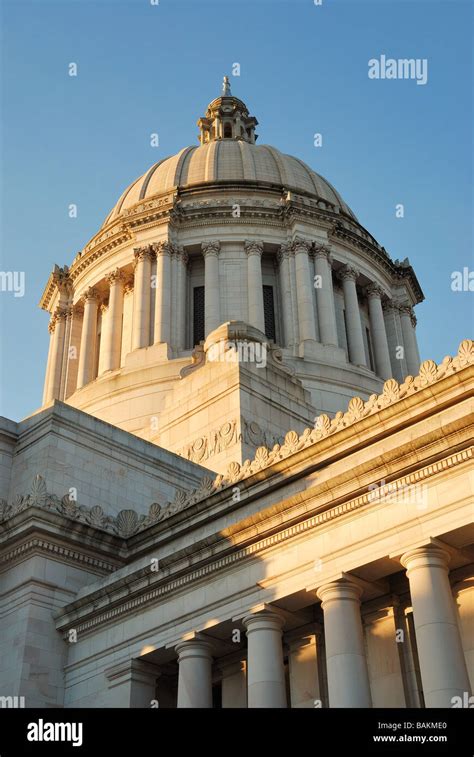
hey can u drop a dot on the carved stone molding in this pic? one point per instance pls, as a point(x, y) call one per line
point(212, 443)
point(211, 248)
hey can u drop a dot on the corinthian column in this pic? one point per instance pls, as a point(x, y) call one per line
point(142, 298)
point(212, 316)
point(325, 296)
point(57, 328)
point(87, 353)
point(379, 335)
point(182, 262)
point(285, 289)
point(163, 252)
point(254, 252)
point(112, 336)
point(304, 283)
point(355, 338)
point(408, 322)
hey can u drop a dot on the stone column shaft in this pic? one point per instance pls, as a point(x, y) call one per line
point(355, 337)
point(440, 652)
point(348, 677)
point(58, 329)
point(256, 316)
point(379, 335)
point(87, 353)
point(182, 261)
point(112, 335)
point(325, 297)
point(285, 289)
point(163, 293)
point(409, 340)
point(265, 671)
point(142, 298)
point(195, 674)
point(212, 317)
point(73, 351)
point(306, 316)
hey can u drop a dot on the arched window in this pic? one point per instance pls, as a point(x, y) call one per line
point(227, 131)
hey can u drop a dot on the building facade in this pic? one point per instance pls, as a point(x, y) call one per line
point(193, 518)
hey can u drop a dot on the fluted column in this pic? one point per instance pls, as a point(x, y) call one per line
point(395, 340)
point(212, 316)
point(285, 291)
point(112, 333)
point(304, 282)
point(440, 652)
point(47, 376)
point(195, 669)
point(348, 676)
point(377, 329)
point(57, 330)
point(355, 338)
point(254, 252)
point(73, 350)
point(163, 293)
point(87, 353)
point(182, 262)
point(142, 298)
point(325, 296)
point(408, 321)
point(265, 670)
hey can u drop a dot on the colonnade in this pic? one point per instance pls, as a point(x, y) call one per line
point(306, 300)
point(440, 652)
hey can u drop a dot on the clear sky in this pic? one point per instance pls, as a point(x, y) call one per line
point(145, 68)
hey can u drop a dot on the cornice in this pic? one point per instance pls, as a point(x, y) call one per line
point(144, 597)
point(52, 548)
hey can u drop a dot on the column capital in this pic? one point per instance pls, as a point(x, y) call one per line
point(283, 253)
point(115, 277)
point(196, 647)
point(142, 253)
point(103, 307)
point(428, 556)
point(165, 247)
point(389, 304)
point(62, 279)
point(257, 621)
point(253, 248)
point(339, 590)
point(211, 248)
point(323, 251)
point(374, 290)
point(347, 273)
point(182, 255)
point(406, 309)
point(90, 294)
point(301, 245)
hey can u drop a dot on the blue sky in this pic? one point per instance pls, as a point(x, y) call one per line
point(146, 68)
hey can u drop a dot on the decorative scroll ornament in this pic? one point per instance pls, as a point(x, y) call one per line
point(128, 522)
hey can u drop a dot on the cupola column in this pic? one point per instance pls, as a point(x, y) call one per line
point(285, 290)
point(393, 330)
point(87, 353)
point(408, 322)
point(304, 282)
point(256, 315)
point(348, 676)
point(212, 316)
point(379, 334)
point(112, 336)
point(182, 263)
point(353, 322)
point(163, 252)
point(142, 298)
point(57, 329)
point(325, 296)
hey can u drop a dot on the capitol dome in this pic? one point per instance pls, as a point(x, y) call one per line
point(227, 243)
point(230, 160)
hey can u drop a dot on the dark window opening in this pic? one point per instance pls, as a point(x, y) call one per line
point(198, 315)
point(227, 131)
point(269, 312)
point(217, 695)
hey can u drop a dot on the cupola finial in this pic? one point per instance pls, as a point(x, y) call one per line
point(226, 87)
